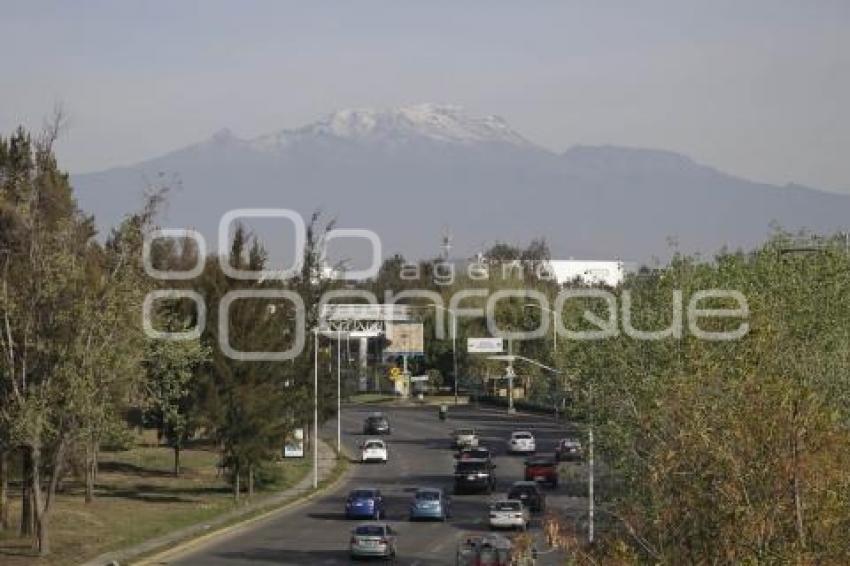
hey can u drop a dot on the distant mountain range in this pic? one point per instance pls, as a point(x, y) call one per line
point(411, 173)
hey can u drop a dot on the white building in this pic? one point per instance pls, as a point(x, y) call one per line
point(589, 272)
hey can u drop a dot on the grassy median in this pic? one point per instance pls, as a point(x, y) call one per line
point(138, 498)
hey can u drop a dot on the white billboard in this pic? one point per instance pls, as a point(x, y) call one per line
point(293, 446)
point(485, 345)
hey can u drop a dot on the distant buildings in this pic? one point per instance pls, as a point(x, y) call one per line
point(588, 272)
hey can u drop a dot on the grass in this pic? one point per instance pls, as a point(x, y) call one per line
point(378, 398)
point(137, 498)
point(366, 398)
point(340, 467)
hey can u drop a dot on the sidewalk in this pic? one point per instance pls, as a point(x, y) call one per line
point(248, 511)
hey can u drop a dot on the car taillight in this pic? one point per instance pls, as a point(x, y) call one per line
point(384, 540)
point(353, 540)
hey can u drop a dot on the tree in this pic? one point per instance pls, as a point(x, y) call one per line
point(171, 368)
point(61, 335)
point(726, 451)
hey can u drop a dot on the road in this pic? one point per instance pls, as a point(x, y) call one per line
point(317, 532)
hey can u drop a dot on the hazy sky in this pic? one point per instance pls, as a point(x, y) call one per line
point(756, 88)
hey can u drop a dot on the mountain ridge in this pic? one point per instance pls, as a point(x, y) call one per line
point(408, 172)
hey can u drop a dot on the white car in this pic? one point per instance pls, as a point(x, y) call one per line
point(374, 450)
point(522, 441)
point(465, 438)
point(509, 514)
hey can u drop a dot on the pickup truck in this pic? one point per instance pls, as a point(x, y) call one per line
point(542, 470)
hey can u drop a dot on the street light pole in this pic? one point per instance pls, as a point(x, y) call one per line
point(454, 348)
point(315, 408)
point(338, 393)
point(590, 473)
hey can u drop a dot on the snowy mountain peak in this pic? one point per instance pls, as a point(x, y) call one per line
point(438, 122)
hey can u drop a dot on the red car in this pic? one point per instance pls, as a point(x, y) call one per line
point(542, 470)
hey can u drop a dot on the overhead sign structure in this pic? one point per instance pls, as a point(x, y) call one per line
point(405, 338)
point(485, 345)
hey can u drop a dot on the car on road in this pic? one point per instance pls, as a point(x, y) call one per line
point(373, 540)
point(477, 453)
point(529, 493)
point(490, 550)
point(474, 476)
point(568, 449)
point(376, 423)
point(542, 469)
point(430, 503)
point(374, 450)
point(509, 514)
point(365, 502)
point(521, 442)
point(465, 438)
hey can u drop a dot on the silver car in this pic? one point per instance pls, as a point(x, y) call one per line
point(509, 514)
point(373, 540)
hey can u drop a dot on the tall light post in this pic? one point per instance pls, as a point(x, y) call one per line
point(338, 393)
point(454, 342)
point(315, 408)
point(590, 471)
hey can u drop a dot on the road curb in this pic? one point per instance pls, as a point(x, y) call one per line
point(194, 543)
point(170, 550)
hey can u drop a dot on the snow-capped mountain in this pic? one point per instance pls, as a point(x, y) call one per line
point(408, 173)
point(436, 122)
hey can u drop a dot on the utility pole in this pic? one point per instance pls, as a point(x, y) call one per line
point(338, 393)
point(510, 374)
point(590, 472)
point(454, 350)
point(315, 408)
point(510, 358)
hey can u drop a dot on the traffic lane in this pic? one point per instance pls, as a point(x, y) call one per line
point(470, 511)
point(420, 454)
point(291, 536)
point(318, 532)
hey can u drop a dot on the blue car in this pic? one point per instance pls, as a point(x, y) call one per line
point(365, 503)
point(430, 503)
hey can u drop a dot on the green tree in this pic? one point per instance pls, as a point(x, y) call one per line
point(171, 369)
point(60, 333)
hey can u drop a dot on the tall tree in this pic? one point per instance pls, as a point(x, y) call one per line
point(60, 332)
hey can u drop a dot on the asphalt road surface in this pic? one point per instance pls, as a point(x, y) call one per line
point(317, 532)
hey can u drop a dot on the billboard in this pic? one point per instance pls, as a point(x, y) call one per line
point(485, 345)
point(293, 446)
point(405, 338)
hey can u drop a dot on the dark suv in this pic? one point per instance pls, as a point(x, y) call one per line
point(376, 424)
point(529, 494)
point(474, 476)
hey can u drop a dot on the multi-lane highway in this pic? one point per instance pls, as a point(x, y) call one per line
point(420, 455)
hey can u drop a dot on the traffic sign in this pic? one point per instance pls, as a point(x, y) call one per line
point(485, 345)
